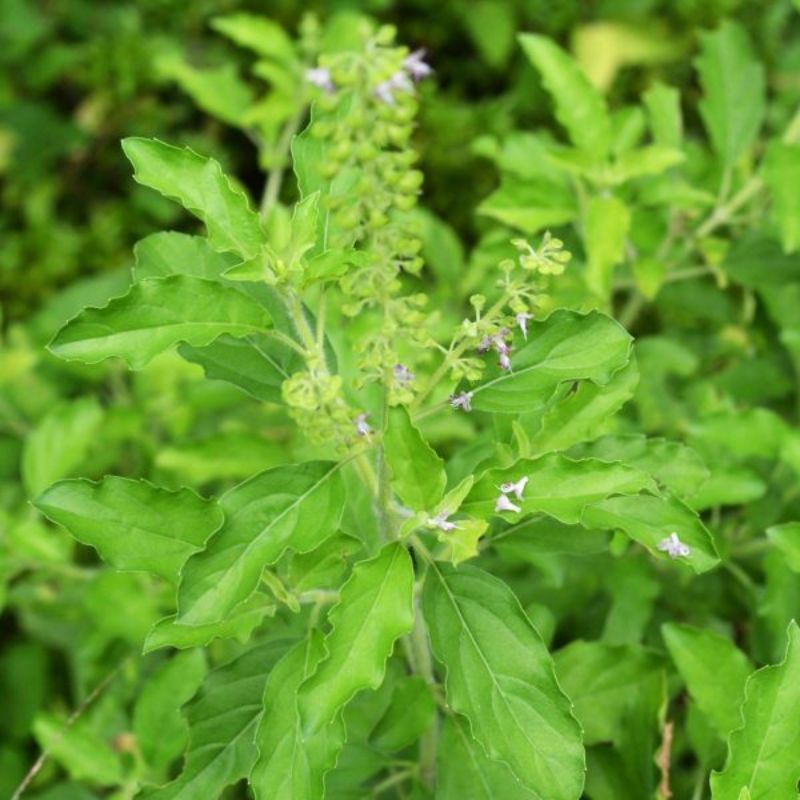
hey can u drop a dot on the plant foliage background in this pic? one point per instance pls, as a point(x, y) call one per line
point(273, 528)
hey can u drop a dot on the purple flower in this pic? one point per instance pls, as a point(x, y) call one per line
point(440, 521)
point(399, 82)
point(362, 426)
point(515, 488)
point(485, 345)
point(321, 78)
point(462, 400)
point(402, 374)
point(504, 504)
point(504, 361)
point(416, 65)
point(674, 547)
point(522, 320)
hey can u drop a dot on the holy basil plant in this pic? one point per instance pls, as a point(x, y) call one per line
point(370, 649)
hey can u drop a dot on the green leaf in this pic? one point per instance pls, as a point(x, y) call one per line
point(333, 264)
point(285, 256)
point(441, 245)
point(733, 86)
point(461, 543)
point(219, 91)
point(223, 721)
point(500, 676)
point(782, 176)
point(602, 680)
point(59, 444)
point(673, 464)
point(418, 474)
point(650, 160)
point(258, 33)
point(663, 104)
point(169, 253)
point(160, 729)
point(295, 507)
point(758, 262)
point(530, 205)
point(557, 486)
point(375, 608)
point(582, 412)
point(200, 186)
point(169, 632)
point(580, 108)
point(714, 671)
point(257, 364)
point(607, 222)
point(764, 753)
point(786, 537)
point(566, 346)
point(323, 567)
point(649, 519)
point(155, 315)
point(491, 25)
point(605, 45)
point(224, 456)
point(290, 765)
point(132, 524)
point(529, 539)
point(410, 713)
point(79, 749)
point(464, 770)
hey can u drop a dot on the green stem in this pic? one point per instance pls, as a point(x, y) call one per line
point(423, 661)
point(272, 188)
point(454, 354)
point(630, 311)
point(393, 780)
point(721, 214)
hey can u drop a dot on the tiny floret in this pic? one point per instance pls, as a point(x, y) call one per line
point(441, 522)
point(402, 374)
point(515, 488)
point(674, 547)
point(522, 320)
point(504, 504)
point(416, 66)
point(399, 82)
point(462, 400)
point(321, 78)
point(504, 361)
point(362, 426)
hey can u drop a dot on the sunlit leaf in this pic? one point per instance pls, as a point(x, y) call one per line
point(564, 347)
point(199, 185)
point(133, 525)
point(295, 507)
point(500, 676)
point(714, 670)
point(292, 765)
point(223, 720)
point(161, 732)
point(764, 753)
point(733, 90)
point(418, 474)
point(154, 316)
point(375, 608)
point(579, 107)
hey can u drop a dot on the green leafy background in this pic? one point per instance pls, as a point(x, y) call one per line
point(683, 212)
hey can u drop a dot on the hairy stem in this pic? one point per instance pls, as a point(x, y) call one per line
point(272, 188)
point(453, 354)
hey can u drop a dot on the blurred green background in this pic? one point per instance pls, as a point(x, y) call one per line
point(79, 75)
